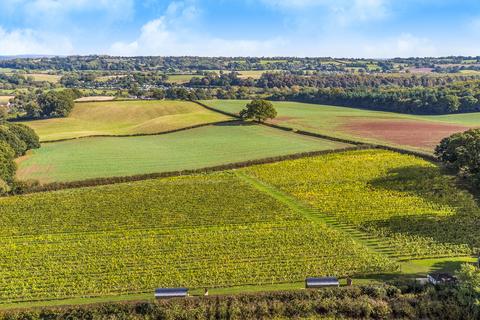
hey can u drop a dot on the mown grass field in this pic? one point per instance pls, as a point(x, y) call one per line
point(191, 149)
point(95, 98)
point(365, 214)
point(53, 78)
point(195, 231)
point(123, 118)
point(5, 99)
point(181, 78)
point(408, 131)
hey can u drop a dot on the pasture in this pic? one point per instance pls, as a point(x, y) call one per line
point(52, 78)
point(181, 78)
point(5, 99)
point(190, 149)
point(195, 231)
point(124, 118)
point(95, 98)
point(413, 132)
point(255, 74)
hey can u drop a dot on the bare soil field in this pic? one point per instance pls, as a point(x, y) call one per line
point(419, 134)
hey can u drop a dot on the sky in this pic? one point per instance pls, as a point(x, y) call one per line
point(315, 28)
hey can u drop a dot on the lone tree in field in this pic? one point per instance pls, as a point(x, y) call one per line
point(461, 152)
point(259, 110)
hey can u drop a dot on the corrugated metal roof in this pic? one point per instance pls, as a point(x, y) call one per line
point(322, 282)
point(171, 292)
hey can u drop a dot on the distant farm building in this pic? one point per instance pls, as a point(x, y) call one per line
point(441, 278)
point(322, 282)
point(165, 293)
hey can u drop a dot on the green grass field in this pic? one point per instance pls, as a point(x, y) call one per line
point(255, 74)
point(124, 117)
point(196, 148)
point(370, 214)
point(181, 78)
point(5, 99)
point(402, 130)
point(53, 78)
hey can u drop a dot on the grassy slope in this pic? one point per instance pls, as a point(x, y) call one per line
point(327, 119)
point(181, 78)
point(196, 148)
point(5, 99)
point(124, 117)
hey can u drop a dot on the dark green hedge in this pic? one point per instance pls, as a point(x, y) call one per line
point(367, 302)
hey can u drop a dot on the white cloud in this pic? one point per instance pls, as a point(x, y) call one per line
point(342, 10)
point(27, 41)
point(59, 9)
point(405, 45)
point(175, 34)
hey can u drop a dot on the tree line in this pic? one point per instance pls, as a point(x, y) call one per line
point(43, 104)
point(15, 140)
point(418, 100)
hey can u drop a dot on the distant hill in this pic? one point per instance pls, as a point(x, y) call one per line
point(26, 56)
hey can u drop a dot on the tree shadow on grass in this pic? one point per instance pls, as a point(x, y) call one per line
point(235, 123)
point(462, 227)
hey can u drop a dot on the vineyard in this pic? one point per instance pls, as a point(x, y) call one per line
point(195, 231)
point(355, 213)
point(404, 201)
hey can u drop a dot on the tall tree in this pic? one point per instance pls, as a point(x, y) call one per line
point(259, 110)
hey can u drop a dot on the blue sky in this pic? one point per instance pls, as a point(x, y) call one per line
point(340, 28)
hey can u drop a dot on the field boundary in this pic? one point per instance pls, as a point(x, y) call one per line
point(144, 134)
point(423, 155)
point(55, 186)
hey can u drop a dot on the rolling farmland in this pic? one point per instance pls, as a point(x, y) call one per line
point(413, 132)
point(193, 231)
point(191, 149)
point(349, 213)
point(123, 118)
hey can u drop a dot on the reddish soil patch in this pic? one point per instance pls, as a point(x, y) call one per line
point(419, 134)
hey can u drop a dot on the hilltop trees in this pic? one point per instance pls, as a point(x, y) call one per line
point(461, 153)
point(39, 104)
point(259, 110)
point(15, 140)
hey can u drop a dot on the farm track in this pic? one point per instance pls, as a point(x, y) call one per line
point(371, 242)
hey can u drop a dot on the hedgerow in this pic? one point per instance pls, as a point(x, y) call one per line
point(341, 303)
